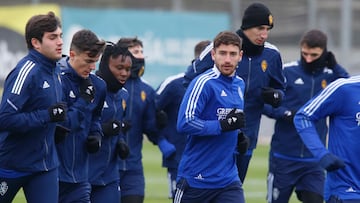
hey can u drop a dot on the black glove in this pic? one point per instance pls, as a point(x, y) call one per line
point(111, 128)
point(93, 143)
point(125, 126)
point(57, 112)
point(271, 96)
point(330, 60)
point(289, 115)
point(122, 149)
point(234, 120)
point(243, 143)
point(60, 133)
point(330, 162)
point(161, 119)
point(87, 90)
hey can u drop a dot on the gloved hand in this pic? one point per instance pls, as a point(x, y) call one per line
point(87, 90)
point(122, 149)
point(111, 128)
point(235, 119)
point(60, 133)
point(57, 112)
point(243, 143)
point(271, 96)
point(166, 148)
point(93, 143)
point(125, 126)
point(330, 60)
point(330, 162)
point(289, 115)
point(161, 119)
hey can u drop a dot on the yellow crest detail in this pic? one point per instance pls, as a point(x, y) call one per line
point(143, 95)
point(323, 84)
point(123, 104)
point(263, 65)
point(271, 20)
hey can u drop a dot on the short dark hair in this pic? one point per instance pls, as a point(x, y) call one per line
point(37, 25)
point(127, 42)
point(87, 41)
point(314, 38)
point(200, 46)
point(227, 38)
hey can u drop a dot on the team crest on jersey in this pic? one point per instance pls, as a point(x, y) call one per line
point(123, 104)
point(143, 95)
point(3, 188)
point(264, 65)
point(323, 84)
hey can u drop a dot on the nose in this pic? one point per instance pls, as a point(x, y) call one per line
point(92, 66)
point(264, 34)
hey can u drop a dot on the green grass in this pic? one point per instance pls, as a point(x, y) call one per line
point(156, 182)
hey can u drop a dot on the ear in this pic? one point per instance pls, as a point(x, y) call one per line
point(36, 43)
point(72, 53)
point(241, 54)
point(213, 54)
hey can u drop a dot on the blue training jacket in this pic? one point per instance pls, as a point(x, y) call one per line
point(264, 70)
point(83, 119)
point(140, 111)
point(104, 165)
point(302, 85)
point(339, 101)
point(168, 98)
point(26, 134)
point(209, 158)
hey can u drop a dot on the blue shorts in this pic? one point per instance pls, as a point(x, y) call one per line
point(41, 187)
point(105, 193)
point(286, 175)
point(229, 194)
point(74, 192)
point(132, 183)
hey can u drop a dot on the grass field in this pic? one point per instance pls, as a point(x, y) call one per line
point(156, 181)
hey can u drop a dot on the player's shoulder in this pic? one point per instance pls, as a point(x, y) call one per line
point(271, 47)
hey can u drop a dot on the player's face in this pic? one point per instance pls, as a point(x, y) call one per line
point(51, 45)
point(226, 58)
point(311, 54)
point(137, 51)
point(258, 35)
point(120, 67)
point(82, 63)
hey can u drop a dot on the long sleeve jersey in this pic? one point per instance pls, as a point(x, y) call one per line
point(140, 111)
point(168, 98)
point(209, 160)
point(301, 86)
point(26, 133)
point(258, 71)
point(83, 119)
point(339, 101)
point(104, 165)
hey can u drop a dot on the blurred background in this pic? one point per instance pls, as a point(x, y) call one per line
point(171, 28)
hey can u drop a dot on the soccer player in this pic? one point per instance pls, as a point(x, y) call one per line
point(340, 102)
point(114, 69)
point(141, 114)
point(84, 94)
point(30, 108)
point(211, 114)
point(261, 69)
point(291, 164)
